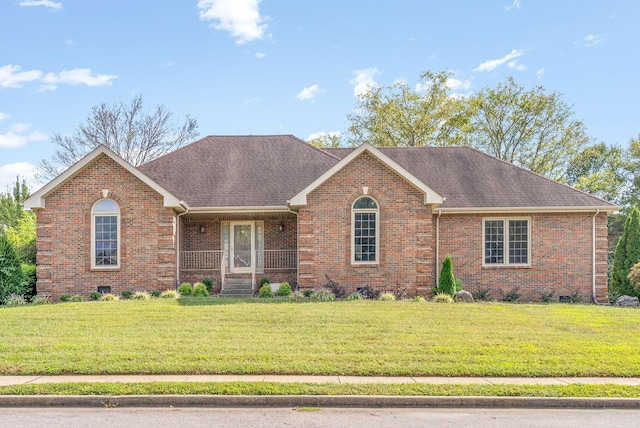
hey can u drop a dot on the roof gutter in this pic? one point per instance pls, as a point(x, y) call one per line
point(471, 210)
point(227, 210)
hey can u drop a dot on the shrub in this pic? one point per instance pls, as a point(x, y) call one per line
point(265, 291)
point(443, 298)
point(354, 296)
point(76, 298)
point(459, 285)
point(108, 297)
point(29, 275)
point(307, 293)
point(419, 299)
point(15, 300)
point(264, 280)
point(482, 294)
point(169, 294)
point(323, 296)
point(200, 289)
point(575, 297)
point(65, 297)
point(126, 294)
point(141, 295)
point(40, 300)
point(546, 296)
point(387, 297)
point(11, 279)
point(447, 282)
point(297, 296)
point(400, 293)
point(156, 293)
point(511, 295)
point(95, 295)
point(626, 255)
point(368, 292)
point(208, 282)
point(284, 289)
point(339, 291)
point(185, 289)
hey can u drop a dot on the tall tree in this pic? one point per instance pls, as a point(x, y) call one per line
point(626, 255)
point(400, 116)
point(326, 139)
point(11, 204)
point(11, 277)
point(129, 131)
point(532, 129)
point(631, 195)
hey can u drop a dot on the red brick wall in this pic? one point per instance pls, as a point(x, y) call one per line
point(147, 247)
point(561, 256)
point(406, 231)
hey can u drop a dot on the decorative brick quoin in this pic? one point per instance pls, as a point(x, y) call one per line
point(236, 209)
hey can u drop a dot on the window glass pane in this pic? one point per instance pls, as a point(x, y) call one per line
point(518, 241)
point(106, 240)
point(494, 242)
point(106, 206)
point(365, 203)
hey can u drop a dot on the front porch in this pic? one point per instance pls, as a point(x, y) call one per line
point(235, 251)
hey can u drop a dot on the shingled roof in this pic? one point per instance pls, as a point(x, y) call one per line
point(266, 171)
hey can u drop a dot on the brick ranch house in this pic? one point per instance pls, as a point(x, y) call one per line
point(237, 208)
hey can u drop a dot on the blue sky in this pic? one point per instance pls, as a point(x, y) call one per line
point(296, 66)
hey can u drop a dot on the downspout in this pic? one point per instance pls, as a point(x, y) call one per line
point(593, 261)
point(186, 210)
point(437, 248)
point(297, 245)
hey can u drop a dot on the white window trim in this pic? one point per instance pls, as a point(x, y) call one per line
point(505, 221)
point(93, 236)
point(353, 231)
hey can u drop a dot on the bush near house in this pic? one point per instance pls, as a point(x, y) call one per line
point(11, 278)
point(447, 282)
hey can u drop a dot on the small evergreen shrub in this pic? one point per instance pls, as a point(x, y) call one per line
point(76, 298)
point(29, 274)
point(200, 290)
point(208, 282)
point(126, 294)
point(323, 296)
point(447, 282)
point(368, 292)
point(387, 297)
point(156, 293)
point(264, 280)
point(354, 296)
point(265, 291)
point(443, 298)
point(141, 295)
point(15, 300)
point(307, 293)
point(482, 294)
point(169, 294)
point(284, 289)
point(547, 296)
point(109, 297)
point(185, 289)
point(95, 295)
point(511, 295)
point(459, 285)
point(65, 297)
point(40, 300)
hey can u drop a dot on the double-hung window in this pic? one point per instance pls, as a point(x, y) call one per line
point(506, 241)
point(105, 234)
point(365, 231)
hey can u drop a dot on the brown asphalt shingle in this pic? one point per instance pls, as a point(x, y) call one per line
point(252, 171)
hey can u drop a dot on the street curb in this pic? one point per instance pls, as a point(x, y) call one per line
point(377, 401)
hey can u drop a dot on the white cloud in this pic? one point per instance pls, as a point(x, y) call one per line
point(515, 65)
point(10, 171)
point(514, 5)
point(309, 93)
point(495, 63)
point(592, 40)
point(78, 76)
point(12, 77)
point(4, 116)
point(46, 3)
point(540, 73)
point(322, 135)
point(457, 84)
point(363, 80)
point(260, 54)
point(17, 136)
point(241, 18)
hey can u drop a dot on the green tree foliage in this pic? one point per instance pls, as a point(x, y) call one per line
point(326, 139)
point(532, 129)
point(399, 116)
point(11, 278)
point(447, 282)
point(11, 210)
point(22, 236)
point(631, 195)
point(129, 131)
point(627, 254)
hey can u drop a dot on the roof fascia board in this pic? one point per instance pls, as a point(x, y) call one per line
point(521, 210)
point(430, 196)
point(37, 200)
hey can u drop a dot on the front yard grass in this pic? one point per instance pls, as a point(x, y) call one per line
point(333, 338)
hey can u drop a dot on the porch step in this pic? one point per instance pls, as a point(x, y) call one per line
point(237, 287)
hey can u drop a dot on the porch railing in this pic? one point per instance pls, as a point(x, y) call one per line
point(212, 260)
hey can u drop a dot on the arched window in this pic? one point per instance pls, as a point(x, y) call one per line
point(105, 234)
point(364, 230)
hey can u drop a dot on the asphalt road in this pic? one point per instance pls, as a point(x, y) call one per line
point(311, 417)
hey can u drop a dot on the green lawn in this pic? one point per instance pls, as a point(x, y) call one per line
point(345, 338)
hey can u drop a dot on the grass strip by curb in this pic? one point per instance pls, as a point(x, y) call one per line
point(275, 388)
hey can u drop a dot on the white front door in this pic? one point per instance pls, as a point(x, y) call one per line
point(241, 247)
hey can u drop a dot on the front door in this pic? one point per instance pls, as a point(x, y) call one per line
point(241, 247)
